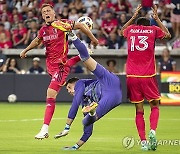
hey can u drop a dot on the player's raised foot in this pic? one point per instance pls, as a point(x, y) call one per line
point(72, 36)
point(90, 108)
point(144, 145)
point(152, 140)
point(42, 135)
point(63, 26)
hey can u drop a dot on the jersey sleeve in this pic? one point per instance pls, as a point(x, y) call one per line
point(125, 31)
point(79, 91)
point(63, 25)
point(159, 33)
point(40, 36)
point(69, 22)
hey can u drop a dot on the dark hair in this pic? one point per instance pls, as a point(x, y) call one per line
point(16, 65)
point(45, 5)
point(1, 24)
point(143, 21)
point(111, 60)
point(71, 80)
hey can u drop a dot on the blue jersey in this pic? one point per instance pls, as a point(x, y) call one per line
point(86, 92)
point(92, 92)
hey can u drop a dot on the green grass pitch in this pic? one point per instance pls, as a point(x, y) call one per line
point(20, 122)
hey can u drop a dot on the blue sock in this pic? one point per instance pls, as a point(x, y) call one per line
point(81, 49)
point(89, 120)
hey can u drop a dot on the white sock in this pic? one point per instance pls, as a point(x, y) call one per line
point(45, 128)
point(153, 131)
point(143, 142)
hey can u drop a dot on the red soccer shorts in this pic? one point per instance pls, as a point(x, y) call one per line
point(60, 71)
point(139, 88)
point(59, 77)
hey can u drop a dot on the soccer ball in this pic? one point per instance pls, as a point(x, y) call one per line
point(87, 21)
point(12, 98)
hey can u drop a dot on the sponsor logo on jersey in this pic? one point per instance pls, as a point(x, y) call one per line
point(50, 37)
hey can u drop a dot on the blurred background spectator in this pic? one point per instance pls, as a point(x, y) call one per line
point(36, 68)
point(109, 24)
point(11, 66)
point(111, 66)
point(19, 36)
point(175, 17)
point(113, 41)
point(32, 32)
point(77, 69)
point(2, 60)
point(166, 63)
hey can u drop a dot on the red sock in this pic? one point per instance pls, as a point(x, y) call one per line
point(140, 124)
point(72, 61)
point(50, 107)
point(154, 117)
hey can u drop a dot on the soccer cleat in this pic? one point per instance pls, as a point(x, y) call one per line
point(152, 141)
point(61, 134)
point(90, 108)
point(144, 145)
point(144, 148)
point(90, 51)
point(72, 36)
point(63, 26)
point(42, 135)
point(70, 148)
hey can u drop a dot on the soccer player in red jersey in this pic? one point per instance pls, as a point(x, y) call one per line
point(58, 66)
point(141, 71)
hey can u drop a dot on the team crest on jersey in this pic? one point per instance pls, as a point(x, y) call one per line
point(44, 33)
point(54, 30)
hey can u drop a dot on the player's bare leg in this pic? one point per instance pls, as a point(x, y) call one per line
point(154, 117)
point(50, 107)
point(140, 124)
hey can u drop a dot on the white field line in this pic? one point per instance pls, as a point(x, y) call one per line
point(120, 119)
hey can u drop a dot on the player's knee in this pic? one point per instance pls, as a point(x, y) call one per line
point(51, 93)
point(154, 103)
point(139, 108)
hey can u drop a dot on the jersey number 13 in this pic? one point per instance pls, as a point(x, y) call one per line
point(141, 40)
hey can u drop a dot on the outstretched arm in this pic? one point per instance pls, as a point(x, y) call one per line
point(86, 135)
point(32, 45)
point(131, 20)
point(160, 24)
point(79, 91)
point(86, 31)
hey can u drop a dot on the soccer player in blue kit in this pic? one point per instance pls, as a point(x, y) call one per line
point(97, 97)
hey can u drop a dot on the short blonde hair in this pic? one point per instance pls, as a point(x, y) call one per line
point(45, 5)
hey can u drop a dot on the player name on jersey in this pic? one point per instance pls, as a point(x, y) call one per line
point(141, 31)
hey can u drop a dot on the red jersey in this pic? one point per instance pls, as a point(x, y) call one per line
point(109, 25)
point(18, 34)
point(56, 45)
point(141, 44)
point(147, 3)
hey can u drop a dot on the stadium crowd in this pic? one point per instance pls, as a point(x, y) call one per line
point(20, 20)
